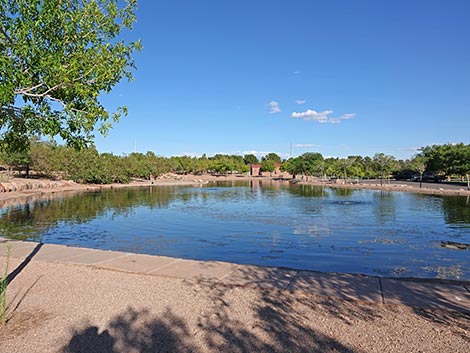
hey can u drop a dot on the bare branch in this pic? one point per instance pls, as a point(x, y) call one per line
point(26, 90)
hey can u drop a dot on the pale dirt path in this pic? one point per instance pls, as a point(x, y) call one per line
point(56, 307)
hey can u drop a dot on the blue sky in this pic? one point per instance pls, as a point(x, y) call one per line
point(337, 77)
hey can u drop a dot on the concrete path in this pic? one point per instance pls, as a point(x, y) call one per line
point(426, 294)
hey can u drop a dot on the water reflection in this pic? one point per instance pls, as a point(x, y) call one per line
point(30, 220)
point(457, 210)
point(385, 206)
point(342, 192)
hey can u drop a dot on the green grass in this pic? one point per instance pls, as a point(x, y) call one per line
point(3, 288)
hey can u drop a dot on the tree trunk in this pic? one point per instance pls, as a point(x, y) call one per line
point(468, 183)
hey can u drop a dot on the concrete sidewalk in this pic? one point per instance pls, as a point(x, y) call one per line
point(425, 294)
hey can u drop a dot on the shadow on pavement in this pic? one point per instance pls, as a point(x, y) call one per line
point(133, 331)
point(22, 265)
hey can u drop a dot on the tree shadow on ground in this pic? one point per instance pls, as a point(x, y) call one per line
point(457, 322)
point(133, 331)
point(243, 319)
point(278, 325)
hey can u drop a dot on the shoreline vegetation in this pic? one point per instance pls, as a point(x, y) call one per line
point(48, 168)
point(438, 163)
point(19, 188)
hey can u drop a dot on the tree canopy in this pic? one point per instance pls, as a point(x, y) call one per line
point(58, 57)
point(271, 157)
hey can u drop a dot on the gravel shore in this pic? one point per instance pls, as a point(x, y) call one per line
point(56, 307)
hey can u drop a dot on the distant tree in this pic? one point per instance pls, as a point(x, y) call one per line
point(418, 164)
point(384, 164)
point(46, 158)
point(458, 161)
point(272, 157)
point(345, 164)
point(250, 159)
point(332, 167)
point(438, 158)
point(309, 163)
point(17, 160)
point(268, 166)
point(201, 165)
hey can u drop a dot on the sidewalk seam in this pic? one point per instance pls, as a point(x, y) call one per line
point(160, 267)
point(228, 274)
point(107, 260)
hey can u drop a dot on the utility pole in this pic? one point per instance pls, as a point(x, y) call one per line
point(291, 150)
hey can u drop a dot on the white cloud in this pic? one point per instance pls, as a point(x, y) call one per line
point(321, 117)
point(300, 101)
point(302, 145)
point(274, 107)
point(297, 72)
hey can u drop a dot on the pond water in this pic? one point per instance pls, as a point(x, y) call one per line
point(264, 223)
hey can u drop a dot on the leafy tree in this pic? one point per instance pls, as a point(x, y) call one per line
point(437, 157)
point(384, 164)
point(272, 157)
point(345, 164)
point(18, 160)
point(250, 159)
point(201, 165)
point(418, 164)
point(309, 163)
point(46, 158)
point(114, 169)
point(332, 167)
point(58, 57)
point(138, 165)
point(458, 161)
point(268, 166)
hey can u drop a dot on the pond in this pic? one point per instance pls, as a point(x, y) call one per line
point(265, 223)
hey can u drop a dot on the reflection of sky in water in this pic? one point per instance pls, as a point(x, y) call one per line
point(304, 227)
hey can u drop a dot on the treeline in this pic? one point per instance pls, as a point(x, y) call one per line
point(89, 166)
point(436, 162)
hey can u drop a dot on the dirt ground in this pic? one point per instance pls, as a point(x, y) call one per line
point(55, 307)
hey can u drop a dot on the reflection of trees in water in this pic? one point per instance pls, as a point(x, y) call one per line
point(456, 210)
point(30, 220)
point(342, 192)
point(307, 190)
point(385, 206)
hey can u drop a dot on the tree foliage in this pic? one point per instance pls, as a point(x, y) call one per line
point(88, 165)
point(250, 159)
point(272, 157)
point(268, 166)
point(58, 57)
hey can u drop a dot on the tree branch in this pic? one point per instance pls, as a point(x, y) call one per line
point(6, 35)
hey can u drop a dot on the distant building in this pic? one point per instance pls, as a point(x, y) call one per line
point(255, 169)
